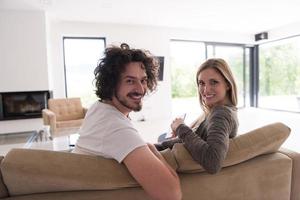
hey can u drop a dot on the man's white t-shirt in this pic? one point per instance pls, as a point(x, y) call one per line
point(108, 133)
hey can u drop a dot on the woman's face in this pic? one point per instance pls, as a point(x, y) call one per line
point(213, 88)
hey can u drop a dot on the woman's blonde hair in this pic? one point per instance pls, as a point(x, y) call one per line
point(223, 68)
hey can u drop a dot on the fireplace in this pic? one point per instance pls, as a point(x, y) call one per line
point(23, 105)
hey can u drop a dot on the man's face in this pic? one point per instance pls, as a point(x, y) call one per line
point(131, 88)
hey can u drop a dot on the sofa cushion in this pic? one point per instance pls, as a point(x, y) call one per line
point(169, 157)
point(266, 139)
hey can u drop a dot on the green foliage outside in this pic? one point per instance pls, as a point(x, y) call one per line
point(279, 70)
point(183, 83)
point(183, 80)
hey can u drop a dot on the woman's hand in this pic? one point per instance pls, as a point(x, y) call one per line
point(176, 122)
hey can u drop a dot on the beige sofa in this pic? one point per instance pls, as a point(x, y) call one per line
point(254, 169)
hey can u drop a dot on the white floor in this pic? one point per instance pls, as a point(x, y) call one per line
point(249, 118)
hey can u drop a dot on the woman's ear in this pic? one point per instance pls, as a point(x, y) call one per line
point(228, 87)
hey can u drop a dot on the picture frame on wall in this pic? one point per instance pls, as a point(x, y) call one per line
point(161, 60)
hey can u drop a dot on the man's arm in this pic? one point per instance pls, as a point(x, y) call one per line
point(160, 157)
point(153, 173)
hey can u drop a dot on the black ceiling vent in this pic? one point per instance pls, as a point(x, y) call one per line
point(261, 36)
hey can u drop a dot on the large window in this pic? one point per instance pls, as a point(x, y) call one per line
point(81, 56)
point(279, 75)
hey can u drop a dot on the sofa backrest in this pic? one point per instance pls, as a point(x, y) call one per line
point(28, 171)
point(66, 109)
point(3, 189)
point(263, 140)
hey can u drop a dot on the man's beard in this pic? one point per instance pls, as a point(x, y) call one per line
point(127, 104)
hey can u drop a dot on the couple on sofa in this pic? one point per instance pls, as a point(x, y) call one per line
point(123, 77)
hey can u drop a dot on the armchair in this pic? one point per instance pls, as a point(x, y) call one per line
point(64, 116)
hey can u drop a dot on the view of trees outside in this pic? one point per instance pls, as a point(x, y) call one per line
point(81, 58)
point(186, 57)
point(279, 75)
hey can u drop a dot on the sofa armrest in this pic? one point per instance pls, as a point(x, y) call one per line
point(49, 118)
point(47, 115)
point(295, 195)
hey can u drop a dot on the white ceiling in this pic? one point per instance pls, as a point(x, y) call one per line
point(241, 16)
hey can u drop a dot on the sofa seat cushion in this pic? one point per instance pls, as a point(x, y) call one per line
point(266, 139)
point(68, 124)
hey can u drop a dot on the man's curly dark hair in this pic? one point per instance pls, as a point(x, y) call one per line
point(110, 67)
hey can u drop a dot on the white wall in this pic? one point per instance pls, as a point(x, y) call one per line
point(23, 51)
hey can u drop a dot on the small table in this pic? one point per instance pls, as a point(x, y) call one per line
point(64, 143)
point(73, 139)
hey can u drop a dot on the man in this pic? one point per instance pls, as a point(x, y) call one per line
point(123, 77)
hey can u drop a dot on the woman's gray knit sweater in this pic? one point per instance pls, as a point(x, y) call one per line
point(208, 144)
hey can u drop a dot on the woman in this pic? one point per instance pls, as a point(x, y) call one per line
point(207, 140)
